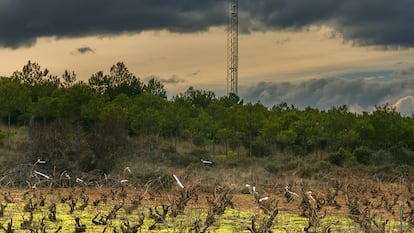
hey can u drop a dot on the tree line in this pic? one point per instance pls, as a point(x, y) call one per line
point(94, 122)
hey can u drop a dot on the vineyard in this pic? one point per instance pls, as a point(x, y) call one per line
point(185, 203)
point(118, 155)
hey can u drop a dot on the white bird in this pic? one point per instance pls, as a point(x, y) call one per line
point(42, 174)
point(290, 192)
point(207, 162)
point(40, 161)
point(309, 196)
point(252, 189)
point(66, 175)
point(263, 199)
point(123, 181)
point(128, 170)
point(79, 180)
point(178, 181)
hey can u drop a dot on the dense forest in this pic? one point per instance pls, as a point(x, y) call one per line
point(90, 125)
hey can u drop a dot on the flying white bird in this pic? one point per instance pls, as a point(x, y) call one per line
point(42, 174)
point(40, 161)
point(127, 169)
point(178, 181)
point(207, 162)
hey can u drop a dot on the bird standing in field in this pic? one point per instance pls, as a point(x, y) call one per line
point(289, 194)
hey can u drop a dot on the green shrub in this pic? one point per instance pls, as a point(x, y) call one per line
point(312, 170)
point(403, 156)
point(338, 158)
point(260, 149)
point(363, 155)
point(381, 157)
point(284, 165)
point(323, 166)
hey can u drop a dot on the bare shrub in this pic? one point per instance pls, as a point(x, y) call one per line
point(266, 224)
point(361, 210)
point(157, 216)
point(9, 228)
point(78, 226)
point(219, 201)
point(185, 195)
point(52, 212)
point(2, 208)
point(126, 227)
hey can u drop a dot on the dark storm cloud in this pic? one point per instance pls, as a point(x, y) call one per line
point(23, 21)
point(364, 22)
point(358, 94)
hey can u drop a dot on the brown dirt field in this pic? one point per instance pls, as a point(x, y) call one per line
point(243, 202)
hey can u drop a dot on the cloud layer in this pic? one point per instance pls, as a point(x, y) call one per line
point(23, 21)
point(360, 95)
point(367, 22)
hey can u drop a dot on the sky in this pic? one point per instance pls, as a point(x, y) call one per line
point(318, 53)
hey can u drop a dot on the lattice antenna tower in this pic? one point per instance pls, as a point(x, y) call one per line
point(233, 47)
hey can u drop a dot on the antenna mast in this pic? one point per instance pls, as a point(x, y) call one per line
point(232, 47)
